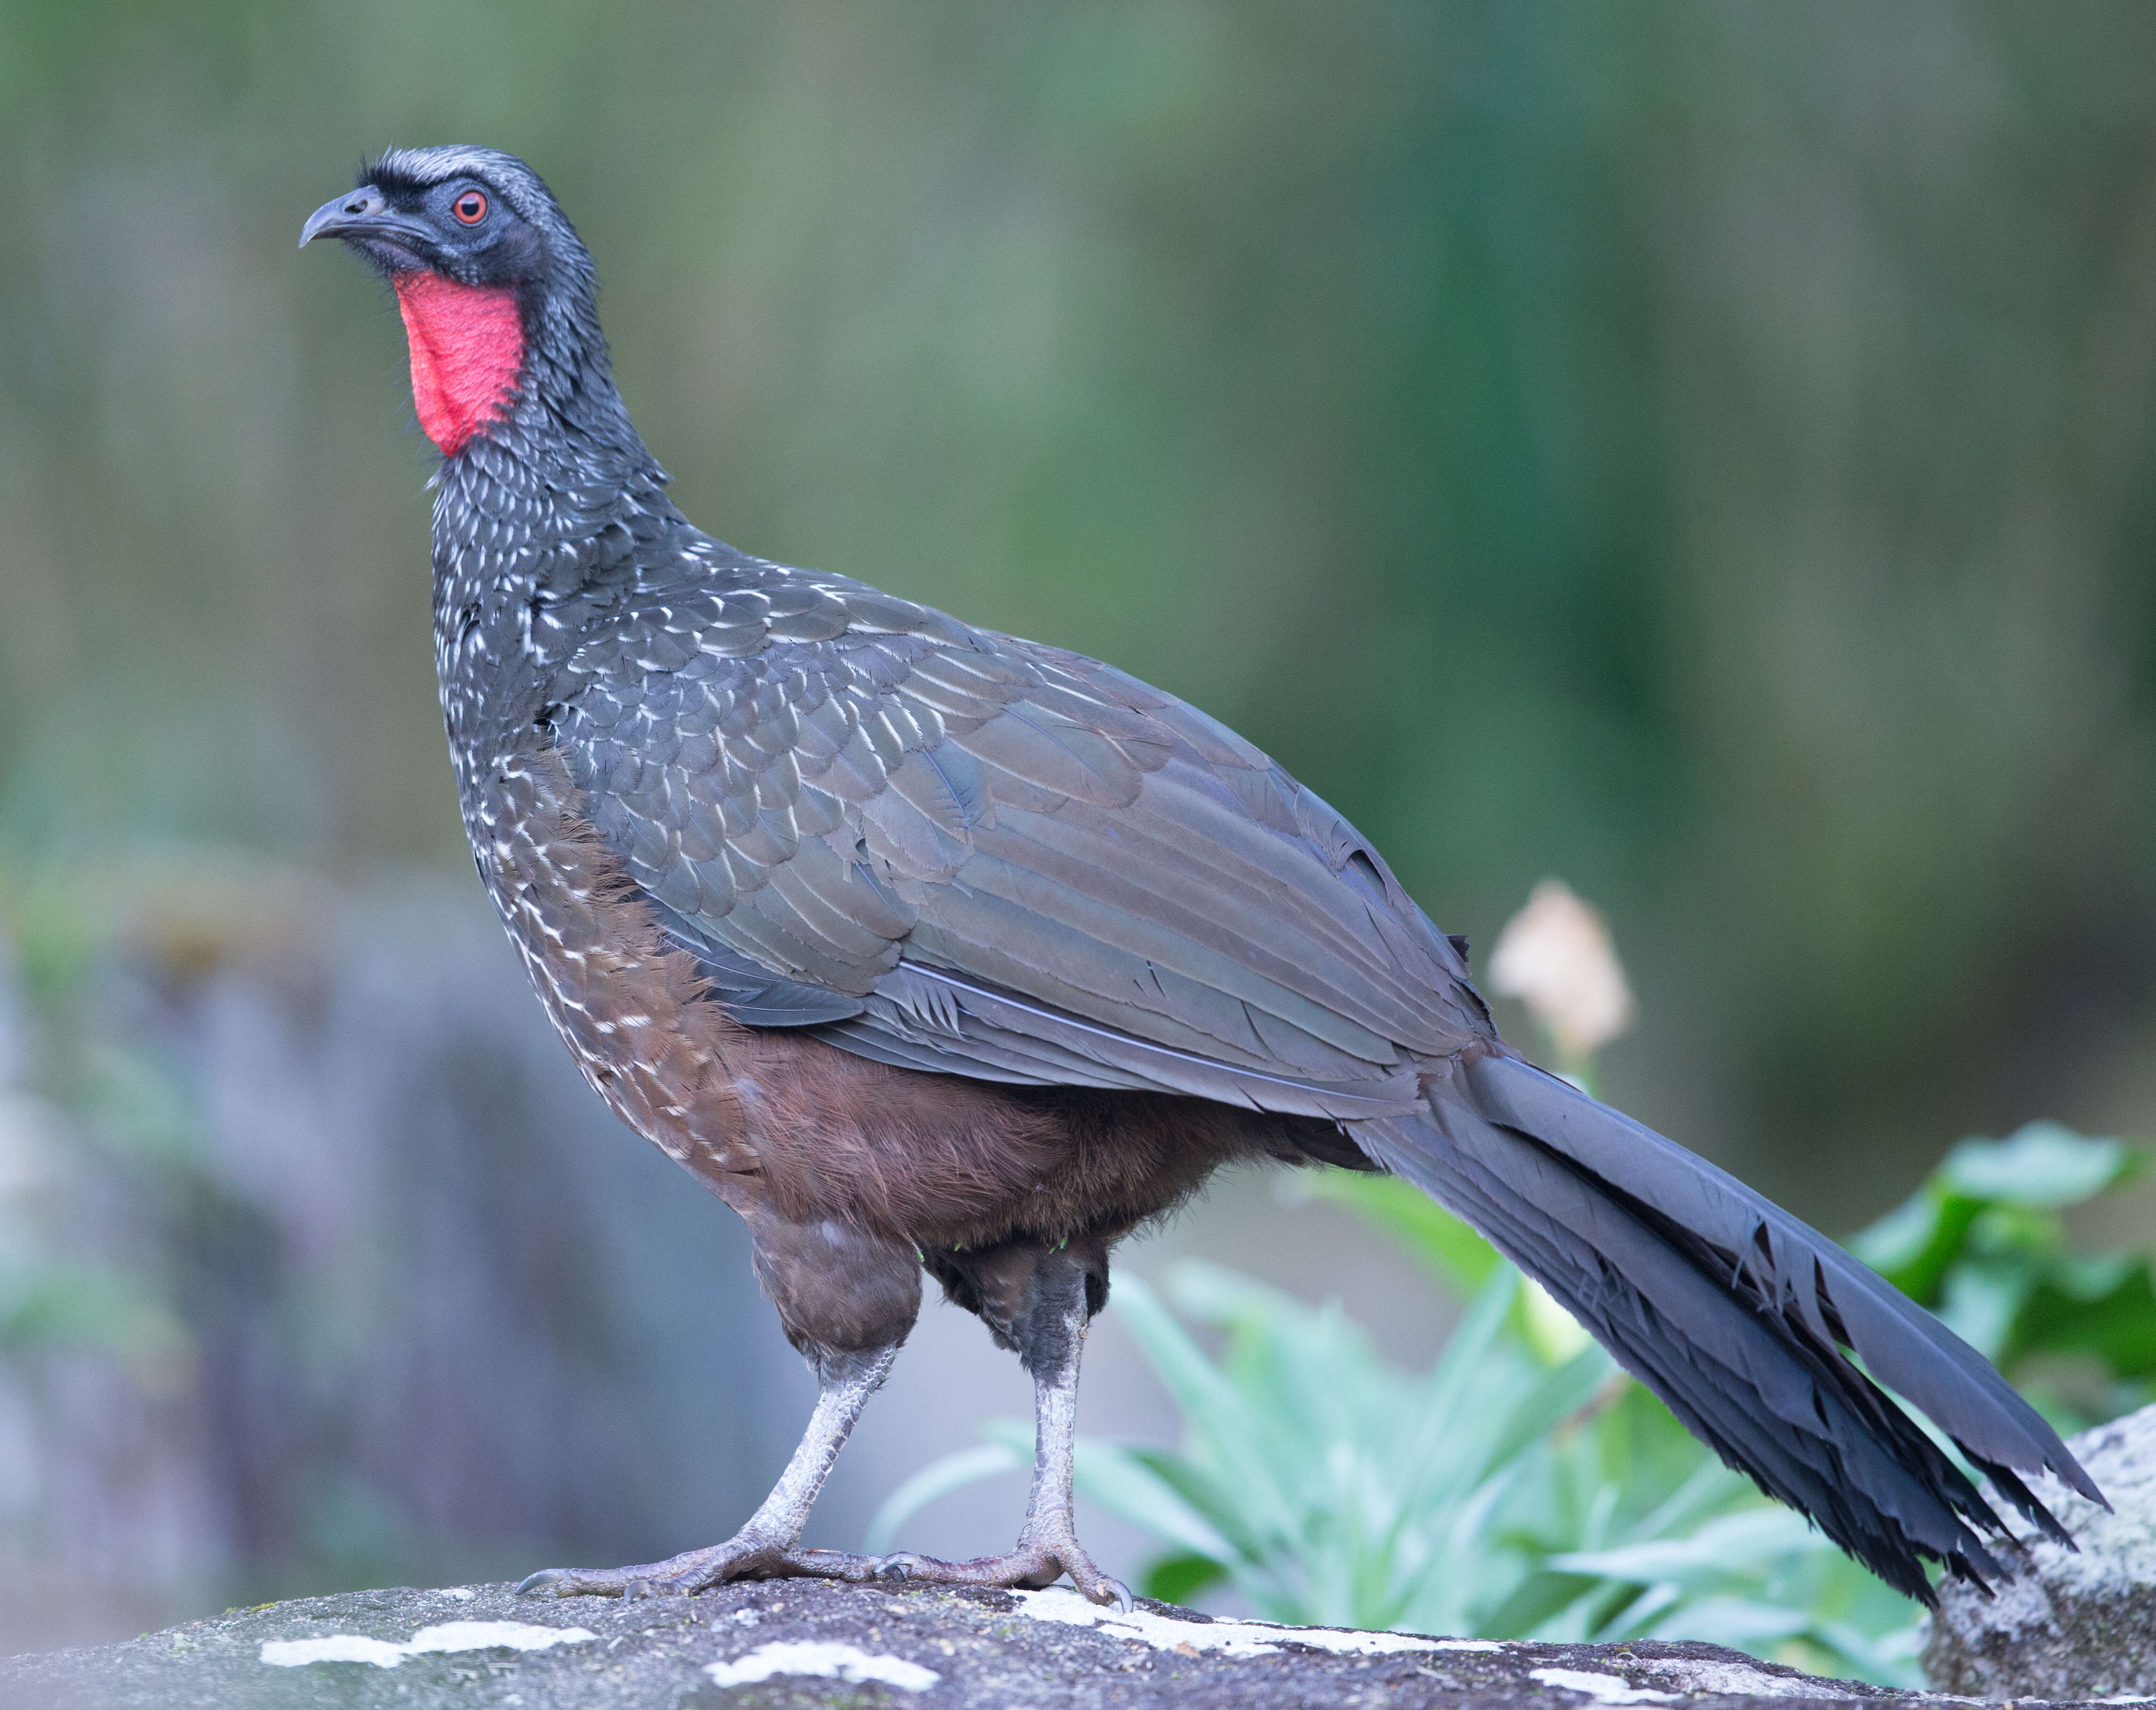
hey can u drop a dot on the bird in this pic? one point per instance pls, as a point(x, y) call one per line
point(933, 951)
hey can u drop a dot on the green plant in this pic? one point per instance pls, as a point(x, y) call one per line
point(1983, 1245)
point(1326, 1485)
point(1982, 1242)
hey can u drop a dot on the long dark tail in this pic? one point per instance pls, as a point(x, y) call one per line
point(1735, 1314)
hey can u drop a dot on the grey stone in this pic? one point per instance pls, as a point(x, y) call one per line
point(743, 1645)
point(2075, 1624)
point(749, 1646)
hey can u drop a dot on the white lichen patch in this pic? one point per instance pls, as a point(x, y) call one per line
point(815, 1656)
point(447, 1637)
point(1229, 1638)
point(1739, 1680)
point(337, 1647)
point(1606, 1689)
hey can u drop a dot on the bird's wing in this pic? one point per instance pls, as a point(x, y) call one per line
point(958, 851)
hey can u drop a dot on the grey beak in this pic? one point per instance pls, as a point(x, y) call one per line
point(364, 213)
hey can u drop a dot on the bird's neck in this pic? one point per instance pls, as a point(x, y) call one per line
point(523, 375)
point(536, 469)
point(543, 517)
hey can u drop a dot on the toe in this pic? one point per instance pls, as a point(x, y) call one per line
point(597, 1582)
point(841, 1565)
point(1095, 1586)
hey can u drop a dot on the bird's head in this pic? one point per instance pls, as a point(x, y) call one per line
point(496, 289)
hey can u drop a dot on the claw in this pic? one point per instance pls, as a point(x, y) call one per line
point(900, 1564)
point(1115, 1592)
point(543, 1579)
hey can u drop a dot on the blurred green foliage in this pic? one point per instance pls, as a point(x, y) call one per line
point(100, 1159)
point(1511, 1497)
point(1983, 1244)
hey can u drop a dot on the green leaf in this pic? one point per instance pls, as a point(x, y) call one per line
point(1120, 1482)
point(1472, 1341)
point(1983, 1299)
point(1990, 1197)
point(2041, 1166)
point(938, 1479)
point(1907, 1241)
point(1177, 1578)
point(1212, 1407)
point(2117, 1326)
point(1539, 1601)
point(1742, 1623)
point(1208, 1496)
point(1559, 1395)
point(1733, 1544)
point(1425, 1228)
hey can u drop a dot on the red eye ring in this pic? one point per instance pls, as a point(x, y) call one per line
point(470, 207)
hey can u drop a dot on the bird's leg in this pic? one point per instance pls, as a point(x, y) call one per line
point(766, 1547)
point(1048, 1331)
point(847, 1299)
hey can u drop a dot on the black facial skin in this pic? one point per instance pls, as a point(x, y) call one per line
point(400, 225)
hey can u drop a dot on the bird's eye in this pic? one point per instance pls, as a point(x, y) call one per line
point(470, 207)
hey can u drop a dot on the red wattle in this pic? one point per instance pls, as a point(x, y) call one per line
point(467, 349)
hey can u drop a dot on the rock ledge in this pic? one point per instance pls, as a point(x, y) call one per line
point(808, 1643)
point(2078, 1623)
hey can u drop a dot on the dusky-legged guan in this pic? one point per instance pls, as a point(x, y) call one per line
point(928, 948)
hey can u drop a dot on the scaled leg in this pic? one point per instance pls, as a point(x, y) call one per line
point(847, 1299)
point(1038, 1303)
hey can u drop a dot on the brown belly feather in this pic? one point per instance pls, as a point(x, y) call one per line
point(779, 1119)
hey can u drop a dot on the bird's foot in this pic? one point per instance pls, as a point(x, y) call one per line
point(742, 1557)
point(1035, 1563)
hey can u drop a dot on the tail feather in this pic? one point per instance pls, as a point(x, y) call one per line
point(1735, 1313)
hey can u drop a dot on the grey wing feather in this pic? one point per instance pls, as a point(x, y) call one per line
point(953, 850)
point(751, 993)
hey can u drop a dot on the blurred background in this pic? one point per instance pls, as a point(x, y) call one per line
point(1702, 451)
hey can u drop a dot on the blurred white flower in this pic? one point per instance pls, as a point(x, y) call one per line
point(1555, 957)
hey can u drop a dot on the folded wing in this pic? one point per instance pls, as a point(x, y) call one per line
point(958, 851)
